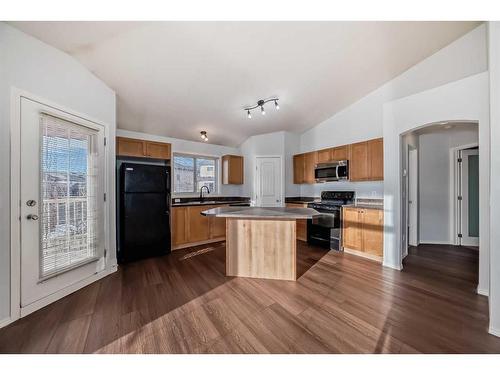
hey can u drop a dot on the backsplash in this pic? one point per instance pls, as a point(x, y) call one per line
point(369, 189)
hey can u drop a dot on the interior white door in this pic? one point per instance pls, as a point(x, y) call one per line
point(469, 193)
point(62, 193)
point(413, 197)
point(268, 182)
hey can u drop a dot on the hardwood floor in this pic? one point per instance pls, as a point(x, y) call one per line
point(183, 303)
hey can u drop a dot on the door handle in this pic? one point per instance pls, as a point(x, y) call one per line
point(32, 217)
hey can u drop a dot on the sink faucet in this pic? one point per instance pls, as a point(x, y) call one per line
point(201, 192)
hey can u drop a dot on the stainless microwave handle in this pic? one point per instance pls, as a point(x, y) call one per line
point(337, 171)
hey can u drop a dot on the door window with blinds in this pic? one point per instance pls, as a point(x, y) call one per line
point(191, 172)
point(71, 195)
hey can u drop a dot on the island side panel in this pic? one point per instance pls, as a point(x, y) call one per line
point(261, 248)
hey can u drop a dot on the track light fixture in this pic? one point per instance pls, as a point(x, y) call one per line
point(204, 135)
point(260, 104)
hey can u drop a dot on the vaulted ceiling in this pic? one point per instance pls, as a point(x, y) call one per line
point(178, 78)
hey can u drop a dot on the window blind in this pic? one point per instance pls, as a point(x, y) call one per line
point(71, 186)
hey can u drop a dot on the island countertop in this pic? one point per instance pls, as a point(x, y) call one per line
point(283, 213)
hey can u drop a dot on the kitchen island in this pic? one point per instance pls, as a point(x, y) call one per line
point(261, 241)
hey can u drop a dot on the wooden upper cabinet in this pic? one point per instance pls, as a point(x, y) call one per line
point(340, 153)
point(358, 162)
point(310, 161)
point(157, 150)
point(324, 156)
point(298, 169)
point(376, 159)
point(366, 162)
point(142, 149)
point(232, 170)
point(130, 147)
point(333, 154)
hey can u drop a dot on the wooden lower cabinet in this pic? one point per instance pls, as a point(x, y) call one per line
point(351, 232)
point(363, 232)
point(190, 227)
point(179, 226)
point(373, 232)
point(217, 227)
point(198, 225)
point(301, 225)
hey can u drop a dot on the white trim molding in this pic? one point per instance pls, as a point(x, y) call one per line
point(16, 311)
point(494, 331)
point(483, 292)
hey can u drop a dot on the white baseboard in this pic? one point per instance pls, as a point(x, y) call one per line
point(494, 331)
point(5, 322)
point(483, 292)
point(398, 267)
point(424, 242)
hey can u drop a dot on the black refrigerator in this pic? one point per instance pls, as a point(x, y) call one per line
point(144, 211)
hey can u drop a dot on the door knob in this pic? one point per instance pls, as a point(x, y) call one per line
point(32, 217)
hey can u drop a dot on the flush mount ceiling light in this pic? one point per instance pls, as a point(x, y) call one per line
point(204, 135)
point(260, 104)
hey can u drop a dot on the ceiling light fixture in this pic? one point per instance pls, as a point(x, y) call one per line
point(204, 135)
point(260, 104)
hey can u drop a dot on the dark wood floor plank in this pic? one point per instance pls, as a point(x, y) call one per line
point(340, 303)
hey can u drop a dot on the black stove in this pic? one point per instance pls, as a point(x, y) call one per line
point(325, 230)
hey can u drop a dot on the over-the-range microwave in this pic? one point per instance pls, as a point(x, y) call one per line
point(333, 171)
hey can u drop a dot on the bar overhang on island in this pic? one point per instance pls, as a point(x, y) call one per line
point(261, 241)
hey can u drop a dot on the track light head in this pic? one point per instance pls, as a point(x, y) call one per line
point(249, 115)
point(277, 105)
point(262, 110)
point(203, 135)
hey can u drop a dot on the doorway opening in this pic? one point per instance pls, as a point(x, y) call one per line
point(440, 191)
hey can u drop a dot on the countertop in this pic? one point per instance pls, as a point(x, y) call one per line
point(302, 200)
point(288, 213)
point(208, 202)
point(365, 206)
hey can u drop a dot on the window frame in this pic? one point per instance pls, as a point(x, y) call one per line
point(216, 160)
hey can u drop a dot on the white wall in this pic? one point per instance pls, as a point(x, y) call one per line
point(364, 119)
point(190, 147)
point(292, 147)
point(436, 213)
point(271, 144)
point(466, 99)
point(32, 66)
point(494, 84)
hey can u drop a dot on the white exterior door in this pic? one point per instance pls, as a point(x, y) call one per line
point(413, 197)
point(469, 197)
point(61, 205)
point(268, 181)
